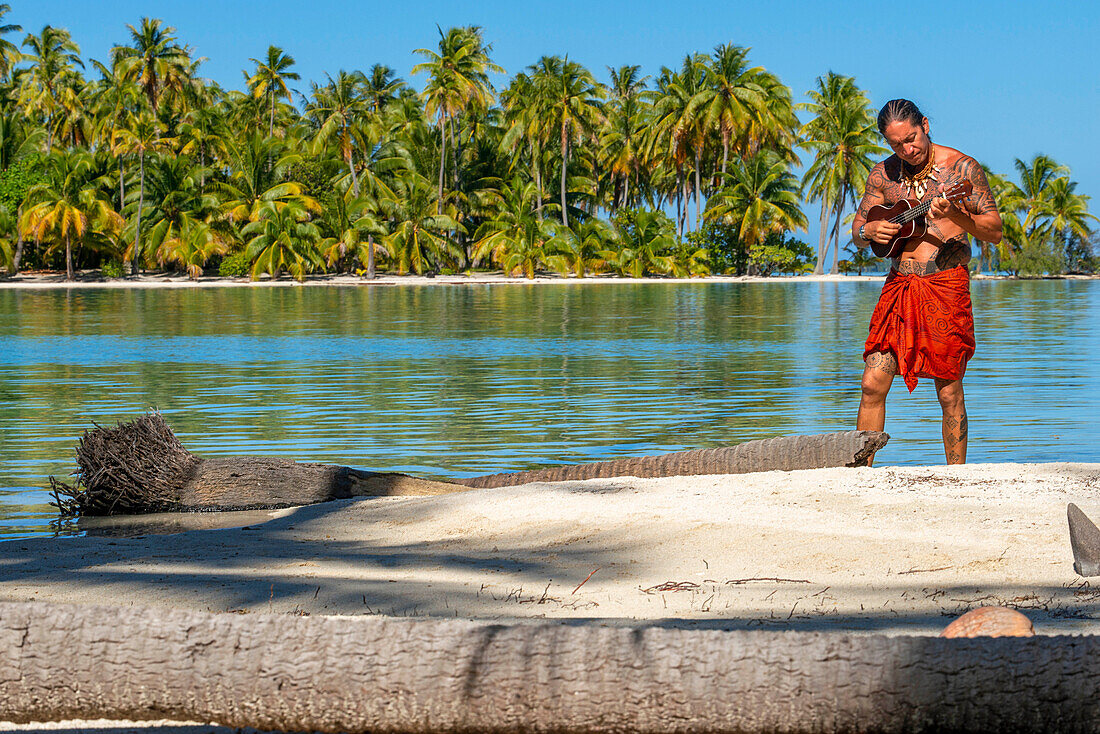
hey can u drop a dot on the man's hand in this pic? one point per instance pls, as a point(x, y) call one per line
point(942, 208)
point(880, 231)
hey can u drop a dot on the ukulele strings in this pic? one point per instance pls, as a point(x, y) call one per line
point(911, 214)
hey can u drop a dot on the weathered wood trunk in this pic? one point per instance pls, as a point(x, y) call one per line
point(846, 448)
point(249, 482)
point(359, 674)
point(141, 466)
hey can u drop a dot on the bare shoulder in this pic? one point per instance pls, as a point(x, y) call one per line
point(965, 168)
point(948, 157)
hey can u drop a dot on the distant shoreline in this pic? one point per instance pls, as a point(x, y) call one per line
point(91, 280)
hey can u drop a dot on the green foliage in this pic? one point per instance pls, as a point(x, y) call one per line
point(1081, 255)
point(19, 178)
point(457, 175)
point(860, 259)
point(1039, 256)
point(111, 269)
point(779, 254)
point(236, 265)
point(726, 254)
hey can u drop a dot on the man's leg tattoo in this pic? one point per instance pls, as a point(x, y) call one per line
point(956, 430)
point(883, 361)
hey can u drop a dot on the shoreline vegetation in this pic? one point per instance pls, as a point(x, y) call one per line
point(136, 163)
point(93, 279)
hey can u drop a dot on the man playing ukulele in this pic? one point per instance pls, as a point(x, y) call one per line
point(923, 325)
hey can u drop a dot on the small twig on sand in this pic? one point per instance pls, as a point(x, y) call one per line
point(737, 582)
point(542, 600)
point(574, 591)
point(924, 570)
point(672, 586)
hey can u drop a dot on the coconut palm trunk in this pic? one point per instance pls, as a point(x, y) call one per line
point(370, 257)
point(135, 267)
point(442, 165)
point(685, 197)
point(536, 163)
point(18, 257)
point(680, 204)
point(69, 273)
point(698, 188)
point(564, 166)
point(819, 268)
point(836, 231)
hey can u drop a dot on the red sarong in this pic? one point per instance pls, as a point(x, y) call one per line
point(927, 322)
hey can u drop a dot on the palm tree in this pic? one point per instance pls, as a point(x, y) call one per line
point(759, 197)
point(523, 115)
point(18, 140)
point(192, 246)
point(676, 132)
point(842, 135)
point(1066, 212)
point(9, 54)
point(571, 105)
point(7, 227)
point(141, 136)
point(49, 79)
point(577, 250)
point(380, 87)
point(622, 140)
point(357, 222)
point(70, 208)
point(419, 239)
point(1035, 178)
point(644, 239)
point(733, 96)
point(116, 98)
point(258, 169)
point(270, 79)
point(457, 79)
point(860, 257)
point(514, 236)
point(337, 109)
point(283, 238)
point(174, 203)
point(154, 60)
point(203, 133)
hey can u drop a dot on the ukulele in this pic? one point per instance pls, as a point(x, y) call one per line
point(909, 213)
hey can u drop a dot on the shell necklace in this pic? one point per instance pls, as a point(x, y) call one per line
point(918, 182)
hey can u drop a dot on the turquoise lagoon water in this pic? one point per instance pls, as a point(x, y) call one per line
point(464, 380)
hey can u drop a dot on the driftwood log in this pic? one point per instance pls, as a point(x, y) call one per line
point(358, 674)
point(142, 467)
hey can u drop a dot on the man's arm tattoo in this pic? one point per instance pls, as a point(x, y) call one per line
point(981, 200)
point(873, 193)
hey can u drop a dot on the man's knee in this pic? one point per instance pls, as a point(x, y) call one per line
point(875, 385)
point(951, 397)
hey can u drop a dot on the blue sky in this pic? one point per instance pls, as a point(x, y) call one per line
point(998, 80)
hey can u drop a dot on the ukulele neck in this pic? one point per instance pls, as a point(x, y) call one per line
point(909, 215)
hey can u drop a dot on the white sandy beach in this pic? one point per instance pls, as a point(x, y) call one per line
point(887, 550)
point(90, 279)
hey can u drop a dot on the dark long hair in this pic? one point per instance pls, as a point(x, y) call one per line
point(898, 110)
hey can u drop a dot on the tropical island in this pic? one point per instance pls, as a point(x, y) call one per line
point(136, 163)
